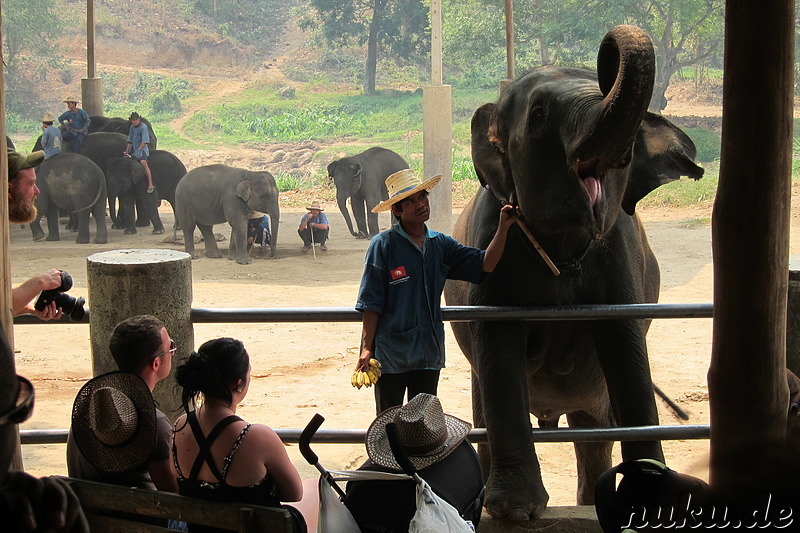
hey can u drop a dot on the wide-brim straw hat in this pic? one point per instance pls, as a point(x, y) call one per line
point(47, 117)
point(114, 422)
point(427, 434)
point(71, 99)
point(315, 205)
point(403, 184)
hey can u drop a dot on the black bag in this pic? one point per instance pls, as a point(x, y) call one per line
point(649, 497)
point(388, 506)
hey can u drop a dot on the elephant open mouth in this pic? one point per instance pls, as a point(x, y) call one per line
point(591, 178)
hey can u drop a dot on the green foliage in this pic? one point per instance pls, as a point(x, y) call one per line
point(290, 182)
point(252, 22)
point(686, 192)
point(707, 143)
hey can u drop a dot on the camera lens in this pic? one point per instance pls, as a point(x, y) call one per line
point(72, 307)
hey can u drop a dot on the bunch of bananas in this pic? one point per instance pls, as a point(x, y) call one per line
point(368, 378)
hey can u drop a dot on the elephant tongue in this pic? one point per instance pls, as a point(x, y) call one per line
point(593, 188)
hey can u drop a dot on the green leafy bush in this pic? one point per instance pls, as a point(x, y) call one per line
point(707, 142)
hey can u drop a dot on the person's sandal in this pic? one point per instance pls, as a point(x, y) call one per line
point(324, 247)
point(151, 189)
point(306, 249)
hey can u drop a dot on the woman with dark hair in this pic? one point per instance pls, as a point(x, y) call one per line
point(217, 455)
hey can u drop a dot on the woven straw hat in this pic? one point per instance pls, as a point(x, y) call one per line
point(114, 422)
point(71, 99)
point(314, 205)
point(426, 432)
point(47, 117)
point(403, 184)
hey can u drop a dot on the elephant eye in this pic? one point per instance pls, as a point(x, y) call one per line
point(537, 118)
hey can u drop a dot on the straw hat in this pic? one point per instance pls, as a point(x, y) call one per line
point(17, 161)
point(47, 117)
point(403, 184)
point(114, 422)
point(71, 99)
point(426, 432)
point(315, 205)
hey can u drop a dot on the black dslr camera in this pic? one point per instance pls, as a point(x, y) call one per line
point(71, 306)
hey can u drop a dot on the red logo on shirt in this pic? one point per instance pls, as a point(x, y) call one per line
point(398, 272)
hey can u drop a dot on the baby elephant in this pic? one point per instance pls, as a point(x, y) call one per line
point(214, 194)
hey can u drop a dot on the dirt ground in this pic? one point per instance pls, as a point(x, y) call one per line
point(302, 369)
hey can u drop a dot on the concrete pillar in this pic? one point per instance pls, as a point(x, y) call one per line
point(124, 283)
point(92, 96)
point(437, 132)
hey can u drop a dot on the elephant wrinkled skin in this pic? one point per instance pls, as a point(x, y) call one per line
point(214, 194)
point(575, 151)
point(362, 178)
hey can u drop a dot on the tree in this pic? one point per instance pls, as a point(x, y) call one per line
point(397, 25)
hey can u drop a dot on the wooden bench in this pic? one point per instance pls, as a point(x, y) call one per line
point(101, 501)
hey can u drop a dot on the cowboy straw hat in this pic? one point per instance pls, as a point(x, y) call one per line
point(47, 117)
point(114, 422)
point(426, 432)
point(17, 161)
point(71, 99)
point(315, 205)
point(403, 184)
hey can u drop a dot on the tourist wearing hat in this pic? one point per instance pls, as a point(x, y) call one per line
point(22, 192)
point(400, 295)
point(436, 445)
point(258, 232)
point(117, 435)
point(51, 137)
point(76, 124)
point(139, 146)
point(314, 227)
point(217, 455)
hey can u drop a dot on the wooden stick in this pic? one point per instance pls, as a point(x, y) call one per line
point(536, 245)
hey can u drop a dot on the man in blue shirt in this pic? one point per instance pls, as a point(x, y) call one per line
point(314, 227)
point(76, 124)
point(138, 149)
point(51, 137)
point(401, 290)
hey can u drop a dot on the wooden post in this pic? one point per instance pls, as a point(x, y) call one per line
point(746, 379)
point(510, 39)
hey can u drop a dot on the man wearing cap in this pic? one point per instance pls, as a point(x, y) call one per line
point(138, 146)
point(117, 434)
point(22, 191)
point(76, 124)
point(401, 289)
point(51, 137)
point(314, 227)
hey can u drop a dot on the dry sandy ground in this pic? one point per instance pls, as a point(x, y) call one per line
point(302, 369)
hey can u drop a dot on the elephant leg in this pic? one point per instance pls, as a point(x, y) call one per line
point(238, 248)
point(36, 227)
point(52, 222)
point(372, 222)
point(155, 218)
point(188, 238)
point(101, 230)
point(126, 214)
point(622, 352)
point(357, 203)
point(514, 488)
point(593, 458)
point(83, 227)
point(346, 216)
point(484, 455)
point(142, 214)
point(210, 241)
point(112, 210)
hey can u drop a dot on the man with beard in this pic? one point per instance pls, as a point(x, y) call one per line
point(22, 191)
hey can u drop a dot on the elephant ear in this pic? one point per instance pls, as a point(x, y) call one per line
point(243, 189)
point(137, 171)
point(358, 173)
point(332, 168)
point(489, 152)
point(662, 153)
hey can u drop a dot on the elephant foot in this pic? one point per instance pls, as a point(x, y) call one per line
point(142, 224)
point(82, 241)
point(116, 226)
point(195, 256)
point(513, 501)
point(158, 231)
point(130, 232)
point(49, 238)
point(38, 238)
point(214, 256)
point(360, 235)
point(243, 261)
point(101, 241)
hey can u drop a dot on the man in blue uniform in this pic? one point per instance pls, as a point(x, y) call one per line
point(401, 290)
point(76, 124)
point(51, 137)
point(138, 146)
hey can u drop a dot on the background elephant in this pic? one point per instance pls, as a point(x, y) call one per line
point(362, 179)
point(101, 148)
point(120, 125)
point(75, 184)
point(214, 194)
point(127, 180)
point(575, 151)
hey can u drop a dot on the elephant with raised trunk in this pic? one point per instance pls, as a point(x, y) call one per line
point(214, 194)
point(362, 178)
point(574, 151)
point(74, 184)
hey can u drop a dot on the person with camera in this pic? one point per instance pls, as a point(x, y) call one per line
point(22, 191)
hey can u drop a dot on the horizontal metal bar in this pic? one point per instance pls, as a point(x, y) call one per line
point(222, 315)
point(356, 436)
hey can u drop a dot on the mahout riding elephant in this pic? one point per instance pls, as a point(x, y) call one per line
point(120, 125)
point(574, 151)
point(214, 194)
point(127, 180)
point(75, 184)
point(362, 179)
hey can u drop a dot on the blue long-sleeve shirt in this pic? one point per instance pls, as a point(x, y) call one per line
point(404, 285)
point(136, 136)
point(76, 121)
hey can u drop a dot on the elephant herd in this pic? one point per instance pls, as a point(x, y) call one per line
point(573, 150)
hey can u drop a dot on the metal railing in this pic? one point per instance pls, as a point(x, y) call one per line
point(449, 314)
